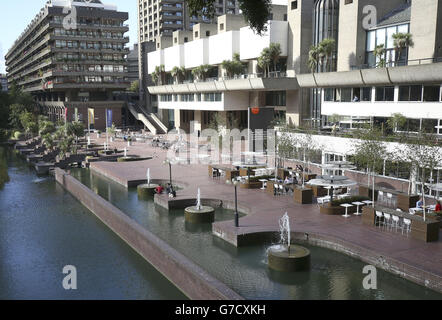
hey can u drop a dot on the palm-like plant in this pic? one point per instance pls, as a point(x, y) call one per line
point(178, 73)
point(275, 54)
point(327, 48)
point(313, 58)
point(401, 42)
point(233, 67)
point(201, 72)
point(265, 60)
point(379, 53)
point(158, 75)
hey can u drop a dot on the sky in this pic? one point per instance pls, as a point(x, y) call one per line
point(15, 15)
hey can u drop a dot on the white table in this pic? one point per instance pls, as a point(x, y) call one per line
point(358, 204)
point(263, 183)
point(368, 202)
point(346, 206)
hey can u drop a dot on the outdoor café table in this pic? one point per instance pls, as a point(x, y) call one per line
point(346, 206)
point(358, 204)
point(368, 202)
point(263, 183)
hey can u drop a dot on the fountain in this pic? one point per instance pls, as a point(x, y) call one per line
point(199, 213)
point(285, 256)
point(145, 191)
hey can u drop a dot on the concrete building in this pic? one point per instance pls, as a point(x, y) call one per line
point(73, 66)
point(132, 64)
point(192, 102)
point(3, 82)
point(351, 83)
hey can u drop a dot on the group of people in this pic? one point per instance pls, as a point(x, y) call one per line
point(169, 190)
point(438, 207)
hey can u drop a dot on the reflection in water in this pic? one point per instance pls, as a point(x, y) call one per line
point(332, 276)
point(4, 177)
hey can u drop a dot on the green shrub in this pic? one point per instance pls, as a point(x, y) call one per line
point(338, 202)
point(18, 135)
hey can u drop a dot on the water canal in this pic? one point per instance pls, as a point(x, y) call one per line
point(43, 228)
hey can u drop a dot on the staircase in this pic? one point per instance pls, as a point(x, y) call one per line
point(151, 122)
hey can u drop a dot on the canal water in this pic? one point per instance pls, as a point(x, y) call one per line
point(43, 229)
point(332, 276)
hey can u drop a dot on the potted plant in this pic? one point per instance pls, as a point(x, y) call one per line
point(98, 134)
point(129, 142)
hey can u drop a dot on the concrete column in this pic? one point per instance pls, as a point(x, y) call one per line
point(197, 121)
point(177, 118)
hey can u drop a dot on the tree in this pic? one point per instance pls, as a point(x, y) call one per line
point(75, 130)
point(275, 54)
point(48, 141)
point(313, 58)
point(424, 153)
point(264, 61)
point(178, 73)
point(255, 12)
point(402, 41)
point(379, 53)
point(326, 48)
point(158, 76)
point(233, 67)
point(396, 121)
point(135, 86)
point(202, 72)
point(29, 123)
point(369, 152)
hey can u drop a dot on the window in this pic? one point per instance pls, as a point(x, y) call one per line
point(276, 98)
point(431, 93)
point(329, 94)
point(207, 33)
point(366, 94)
point(410, 93)
point(384, 93)
point(196, 34)
point(345, 95)
point(294, 5)
point(221, 26)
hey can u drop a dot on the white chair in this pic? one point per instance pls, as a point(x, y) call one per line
point(395, 222)
point(406, 226)
point(381, 196)
point(379, 219)
point(281, 189)
point(390, 199)
point(276, 188)
point(412, 211)
point(387, 220)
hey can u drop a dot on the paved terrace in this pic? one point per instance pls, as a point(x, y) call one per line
point(418, 261)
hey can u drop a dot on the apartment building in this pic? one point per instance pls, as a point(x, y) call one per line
point(160, 18)
point(190, 103)
point(73, 66)
point(354, 84)
point(3, 82)
point(132, 64)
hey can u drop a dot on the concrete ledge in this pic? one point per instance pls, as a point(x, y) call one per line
point(421, 277)
point(192, 280)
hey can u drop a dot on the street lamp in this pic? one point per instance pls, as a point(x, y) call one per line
point(167, 161)
point(235, 184)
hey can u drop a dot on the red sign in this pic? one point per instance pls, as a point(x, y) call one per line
point(255, 111)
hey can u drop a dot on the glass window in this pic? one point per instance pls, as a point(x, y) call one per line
point(346, 95)
point(384, 93)
point(431, 93)
point(356, 95)
point(366, 94)
point(390, 41)
point(329, 94)
point(371, 40)
point(380, 36)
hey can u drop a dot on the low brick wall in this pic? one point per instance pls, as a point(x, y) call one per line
point(192, 280)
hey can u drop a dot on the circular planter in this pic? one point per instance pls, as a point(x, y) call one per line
point(298, 259)
point(146, 191)
point(203, 215)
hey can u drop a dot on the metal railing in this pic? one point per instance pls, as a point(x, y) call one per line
point(400, 63)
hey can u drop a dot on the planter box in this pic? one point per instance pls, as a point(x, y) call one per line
point(271, 188)
point(318, 191)
point(282, 173)
point(365, 191)
point(405, 202)
point(309, 176)
point(303, 195)
point(252, 185)
point(243, 172)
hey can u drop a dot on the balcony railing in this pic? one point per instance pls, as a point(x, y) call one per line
point(400, 63)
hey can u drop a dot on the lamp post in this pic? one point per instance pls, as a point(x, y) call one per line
point(167, 161)
point(235, 184)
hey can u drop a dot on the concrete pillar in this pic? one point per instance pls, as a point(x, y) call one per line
point(177, 118)
point(197, 121)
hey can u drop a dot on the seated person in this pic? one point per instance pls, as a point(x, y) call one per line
point(420, 203)
point(168, 188)
point(438, 207)
point(159, 190)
